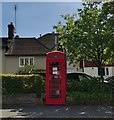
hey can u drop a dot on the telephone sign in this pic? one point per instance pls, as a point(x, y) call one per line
point(55, 78)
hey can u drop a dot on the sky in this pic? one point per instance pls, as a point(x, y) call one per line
point(35, 18)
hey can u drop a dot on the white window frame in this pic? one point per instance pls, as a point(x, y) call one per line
point(24, 60)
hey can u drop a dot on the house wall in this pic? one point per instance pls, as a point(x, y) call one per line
point(40, 62)
point(2, 62)
point(113, 71)
point(92, 71)
point(12, 64)
point(71, 68)
point(77, 67)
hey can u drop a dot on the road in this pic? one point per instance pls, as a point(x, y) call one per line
point(43, 111)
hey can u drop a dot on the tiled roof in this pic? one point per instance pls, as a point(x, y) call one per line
point(3, 42)
point(32, 46)
point(86, 63)
point(48, 41)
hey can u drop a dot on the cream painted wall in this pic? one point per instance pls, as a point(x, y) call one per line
point(113, 71)
point(71, 68)
point(2, 62)
point(92, 71)
point(12, 64)
point(40, 62)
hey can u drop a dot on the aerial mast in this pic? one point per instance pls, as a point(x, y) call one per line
point(15, 18)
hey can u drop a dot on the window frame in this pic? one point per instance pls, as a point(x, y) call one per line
point(24, 61)
point(105, 71)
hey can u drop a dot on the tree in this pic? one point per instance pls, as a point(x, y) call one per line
point(89, 37)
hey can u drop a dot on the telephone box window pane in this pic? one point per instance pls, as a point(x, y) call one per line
point(55, 96)
point(55, 82)
point(54, 72)
point(55, 87)
point(54, 68)
point(56, 77)
point(55, 92)
point(55, 63)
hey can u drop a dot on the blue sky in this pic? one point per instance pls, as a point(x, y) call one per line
point(35, 18)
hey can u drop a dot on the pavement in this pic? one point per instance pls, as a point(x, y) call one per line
point(56, 111)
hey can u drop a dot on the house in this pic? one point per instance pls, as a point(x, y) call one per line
point(18, 52)
point(91, 69)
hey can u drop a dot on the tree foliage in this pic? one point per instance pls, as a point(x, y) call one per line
point(89, 37)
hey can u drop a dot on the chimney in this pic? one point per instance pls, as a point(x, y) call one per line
point(10, 31)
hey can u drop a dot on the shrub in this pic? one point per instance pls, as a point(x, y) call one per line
point(90, 92)
point(85, 98)
point(16, 84)
point(30, 69)
point(89, 86)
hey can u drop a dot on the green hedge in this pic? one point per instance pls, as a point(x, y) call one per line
point(83, 92)
point(89, 86)
point(90, 92)
point(84, 98)
point(16, 84)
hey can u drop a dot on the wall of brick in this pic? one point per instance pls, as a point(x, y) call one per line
point(21, 99)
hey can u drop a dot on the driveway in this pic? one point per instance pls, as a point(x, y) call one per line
point(43, 111)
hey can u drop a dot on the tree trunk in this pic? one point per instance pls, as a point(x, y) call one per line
point(100, 70)
point(101, 73)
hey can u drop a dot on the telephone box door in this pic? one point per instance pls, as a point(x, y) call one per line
point(55, 78)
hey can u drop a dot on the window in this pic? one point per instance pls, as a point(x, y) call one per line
point(104, 70)
point(26, 61)
point(107, 71)
point(21, 62)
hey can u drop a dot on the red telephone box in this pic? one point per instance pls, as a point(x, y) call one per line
point(55, 78)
